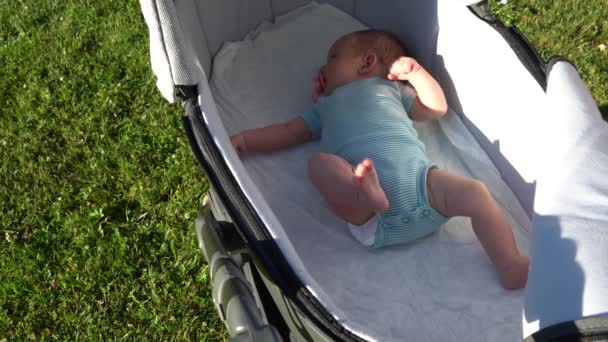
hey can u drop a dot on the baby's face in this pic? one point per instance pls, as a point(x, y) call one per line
point(342, 66)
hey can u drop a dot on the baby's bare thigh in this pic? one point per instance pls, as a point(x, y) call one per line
point(454, 195)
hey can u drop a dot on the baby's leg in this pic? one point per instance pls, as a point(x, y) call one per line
point(354, 195)
point(454, 195)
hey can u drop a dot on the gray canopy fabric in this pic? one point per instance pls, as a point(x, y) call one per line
point(175, 59)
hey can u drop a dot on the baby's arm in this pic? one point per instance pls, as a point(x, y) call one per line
point(272, 137)
point(431, 103)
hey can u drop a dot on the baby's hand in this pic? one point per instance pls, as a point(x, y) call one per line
point(238, 141)
point(318, 86)
point(403, 69)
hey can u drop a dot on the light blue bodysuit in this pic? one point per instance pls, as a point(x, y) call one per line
point(368, 119)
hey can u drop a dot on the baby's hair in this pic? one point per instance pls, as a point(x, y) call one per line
point(385, 45)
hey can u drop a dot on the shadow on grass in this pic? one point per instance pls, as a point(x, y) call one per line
point(604, 111)
point(119, 212)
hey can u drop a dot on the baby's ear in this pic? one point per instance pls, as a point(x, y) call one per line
point(370, 60)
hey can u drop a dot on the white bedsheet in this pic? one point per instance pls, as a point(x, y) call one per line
point(442, 288)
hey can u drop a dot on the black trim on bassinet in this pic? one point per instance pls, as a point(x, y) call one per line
point(586, 329)
point(525, 51)
point(243, 214)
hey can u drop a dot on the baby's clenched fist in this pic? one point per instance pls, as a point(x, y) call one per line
point(403, 69)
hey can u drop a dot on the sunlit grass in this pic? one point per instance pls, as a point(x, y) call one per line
point(98, 188)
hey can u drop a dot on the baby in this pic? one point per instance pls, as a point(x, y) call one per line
point(372, 170)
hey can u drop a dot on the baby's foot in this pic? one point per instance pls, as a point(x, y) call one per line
point(515, 275)
point(370, 192)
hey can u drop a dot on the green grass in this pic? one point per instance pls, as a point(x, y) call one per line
point(575, 29)
point(98, 187)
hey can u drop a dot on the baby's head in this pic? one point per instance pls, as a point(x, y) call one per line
point(359, 55)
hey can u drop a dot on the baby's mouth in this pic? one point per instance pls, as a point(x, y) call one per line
point(319, 85)
point(323, 82)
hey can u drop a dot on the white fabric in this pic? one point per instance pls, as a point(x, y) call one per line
point(442, 288)
point(569, 277)
point(365, 233)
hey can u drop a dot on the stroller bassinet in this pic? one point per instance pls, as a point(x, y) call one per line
point(527, 126)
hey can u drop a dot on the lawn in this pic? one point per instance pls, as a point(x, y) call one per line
point(576, 29)
point(98, 187)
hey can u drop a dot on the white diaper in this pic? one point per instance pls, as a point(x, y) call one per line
point(365, 233)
